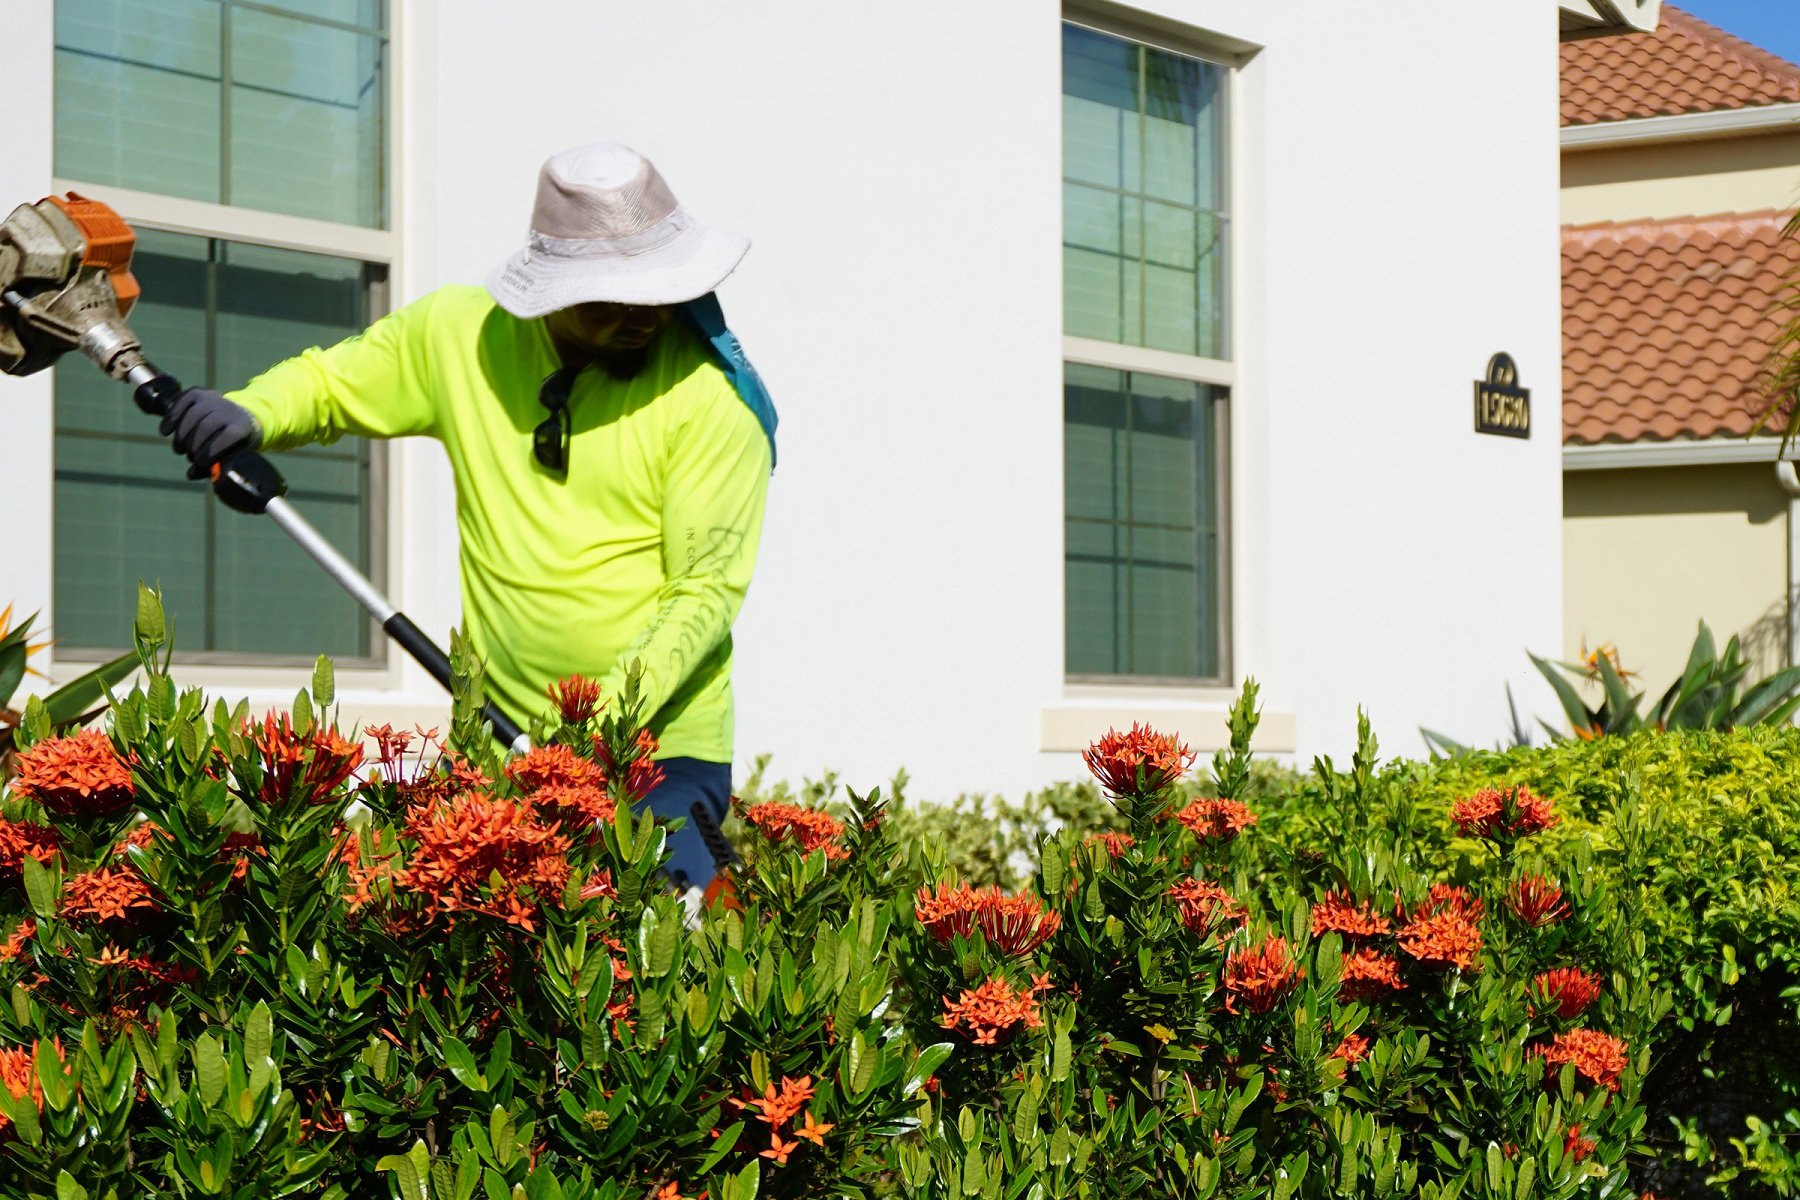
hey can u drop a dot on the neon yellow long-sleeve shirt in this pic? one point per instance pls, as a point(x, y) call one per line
point(644, 550)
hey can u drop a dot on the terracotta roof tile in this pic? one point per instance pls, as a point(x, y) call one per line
point(1685, 66)
point(1667, 325)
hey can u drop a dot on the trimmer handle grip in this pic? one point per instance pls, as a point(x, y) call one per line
point(244, 480)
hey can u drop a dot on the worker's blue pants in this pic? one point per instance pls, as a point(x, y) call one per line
point(689, 784)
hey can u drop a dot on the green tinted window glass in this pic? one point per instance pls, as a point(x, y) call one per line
point(1141, 541)
point(1144, 219)
point(274, 107)
point(212, 312)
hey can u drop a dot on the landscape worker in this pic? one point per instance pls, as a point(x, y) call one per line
point(611, 449)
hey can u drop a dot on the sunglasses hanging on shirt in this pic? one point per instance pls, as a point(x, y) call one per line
point(550, 440)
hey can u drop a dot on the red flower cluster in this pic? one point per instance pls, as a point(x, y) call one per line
point(237, 850)
point(1353, 1049)
point(1012, 925)
point(104, 894)
point(1216, 820)
point(1537, 901)
point(1575, 1147)
point(1566, 991)
point(14, 945)
point(390, 748)
point(1337, 911)
point(1139, 763)
point(1259, 977)
point(1206, 908)
point(639, 774)
point(995, 1008)
point(1115, 842)
point(777, 1107)
point(1503, 814)
point(363, 873)
point(1369, 975)
point(576, 699)
point(814, 830)
point(1445, 928)
point(79, 775)
point(567, 786)
point(144, 836)
point(307, 766)
point(20, 840)
point(18, 1074)
point(554, 765)
point(1449, 937)
point(1599, 1056)
point(473, 853)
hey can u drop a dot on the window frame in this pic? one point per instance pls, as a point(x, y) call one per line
point(380, 247)
point(1222, 373)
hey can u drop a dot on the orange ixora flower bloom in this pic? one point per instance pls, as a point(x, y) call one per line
point(1216, 820)
point(812, 829)
point(1369, 975)
point(1138, 763)
point(104, 894)
point(779, 1104)
point(1537, 901)
point(1116, 843)
point(575, 805)
point(14, 945)
point(1599, 1056)
point(995, 1008)
point(473, 853)
point(813, 1131)
point(1337, 911)
point(640, 774)
point(1207, 909)
point(1258, 977)
point(577, 699)
point(1449, 898)
point(778, 1149)
point(1503, 814)
point(20, 840)
point(554, 765)
point(1353, 1049)
point(144, 836)
point(1575, 1147)
point(1449, 936)
point(1013, 925)
point(75, 776)
point(19, 1075)
point(1565, 991)
point(308, 767)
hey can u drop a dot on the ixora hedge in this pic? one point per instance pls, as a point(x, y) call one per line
point(244, 956)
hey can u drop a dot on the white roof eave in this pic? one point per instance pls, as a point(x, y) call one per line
point(1599, 18)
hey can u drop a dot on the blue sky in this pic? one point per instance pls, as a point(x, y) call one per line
point(1771, 24)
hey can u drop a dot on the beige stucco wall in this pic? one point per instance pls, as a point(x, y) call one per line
point(1681, 179)
point(1649, 553)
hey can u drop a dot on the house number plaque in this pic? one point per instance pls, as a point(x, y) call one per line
point(1501, 405)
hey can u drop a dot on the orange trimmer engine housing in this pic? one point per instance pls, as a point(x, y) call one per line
point(66, 284)
point(109, 243)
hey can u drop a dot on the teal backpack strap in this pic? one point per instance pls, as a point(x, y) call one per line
point(708, 320)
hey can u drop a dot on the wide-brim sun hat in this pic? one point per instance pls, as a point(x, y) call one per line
point(606, 228)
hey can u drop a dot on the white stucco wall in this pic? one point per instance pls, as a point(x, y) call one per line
point(25, 403)
point(898, 168)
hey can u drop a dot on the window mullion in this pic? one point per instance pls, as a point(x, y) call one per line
point(225, 104)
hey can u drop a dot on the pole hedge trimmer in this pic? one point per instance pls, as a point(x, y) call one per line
point(66, 284)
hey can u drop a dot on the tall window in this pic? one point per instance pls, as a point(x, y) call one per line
point(247, 143)
point(1147, 371)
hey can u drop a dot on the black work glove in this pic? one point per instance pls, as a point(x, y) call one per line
point(207, 428)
